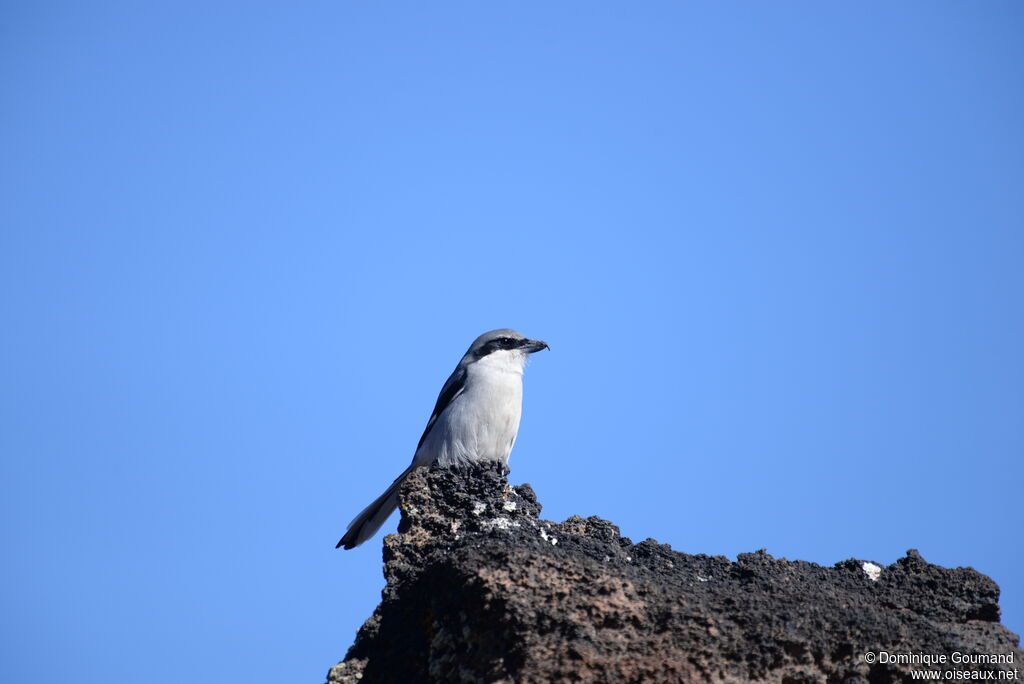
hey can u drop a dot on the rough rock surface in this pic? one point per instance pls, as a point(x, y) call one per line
point(480, 589)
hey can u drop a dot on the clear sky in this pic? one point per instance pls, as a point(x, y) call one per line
point(776, 248)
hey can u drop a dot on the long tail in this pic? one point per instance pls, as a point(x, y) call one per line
point(366, 524)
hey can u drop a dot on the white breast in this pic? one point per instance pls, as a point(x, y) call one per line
point(482, 422)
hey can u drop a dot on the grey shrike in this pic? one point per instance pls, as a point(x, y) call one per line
point(476, 418)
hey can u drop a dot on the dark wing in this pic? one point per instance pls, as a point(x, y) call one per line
point(452, 388)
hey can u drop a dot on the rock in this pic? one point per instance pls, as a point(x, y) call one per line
point(480, 589)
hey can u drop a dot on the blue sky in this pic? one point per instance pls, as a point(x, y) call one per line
point(775, 247)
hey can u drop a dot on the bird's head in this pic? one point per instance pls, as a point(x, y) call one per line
point(502, 346)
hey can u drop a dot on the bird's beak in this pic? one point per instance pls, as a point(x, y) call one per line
point(530, 346)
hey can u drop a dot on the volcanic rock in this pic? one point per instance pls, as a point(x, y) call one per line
point(481, 589)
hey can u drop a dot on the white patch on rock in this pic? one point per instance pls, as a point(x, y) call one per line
point(509, 506)
point(500, 523)
point(479, 507)
point(872, 570)
point(545, 537)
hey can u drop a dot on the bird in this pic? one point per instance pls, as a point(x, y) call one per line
point(476, 418)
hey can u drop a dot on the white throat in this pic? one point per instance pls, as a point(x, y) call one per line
point(502, 361)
